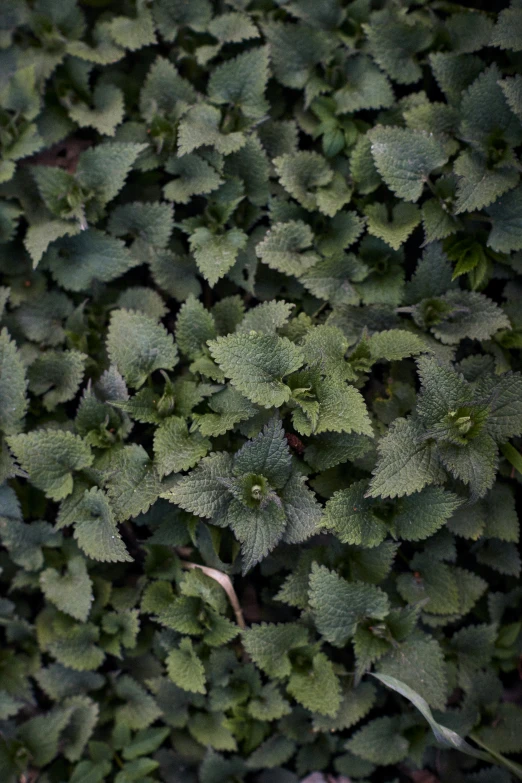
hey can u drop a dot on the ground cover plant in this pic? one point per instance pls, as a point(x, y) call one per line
point(260, 391)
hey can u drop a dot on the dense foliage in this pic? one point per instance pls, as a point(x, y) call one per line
point(260, 390)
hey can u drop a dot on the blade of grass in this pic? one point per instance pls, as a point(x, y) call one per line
point(513, 456)
point(445, 736)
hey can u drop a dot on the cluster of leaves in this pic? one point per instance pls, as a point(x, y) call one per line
point(260, 390)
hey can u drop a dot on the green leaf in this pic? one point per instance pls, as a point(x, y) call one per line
point(175, 449)
point(176, 275)
point(418, 662)
point(241, 82)
point(325, 347)
point(82, 722)
point(374, 565)
point(24, 541)
point(133, 32)
point(404, 158)
point(407, 462)
point(210, 730)
point(77, 262)
point(380, 741)
point(334, 196)
point(269, 645)
point(475, 464)
point(392, 226)
point(355, 705)
point(501, 556)
point(274, 752)
point(394, 40)
point(56, 376)
point(228, 408)
point(70, 592)
point(138, 346)
point(58, 682)
point(269, 704)
point(228, 313)
point(266, 318)
point(503, 735)
point(256, 365)
point(95, 528)
point(469, 314)
point(420, 515)
point(42, 320)
point(122, 630)
point(145, 742)
point(194, 177)
point(164, 92)
point(443, 390)
point(185, 668)
point(148, 223)
point(432, 277)
point(506, 33)
point(454, 72)
point(479, 186)
point(58, 191)
point(103, 50)
point(317, 689)
point(91, 772)
point(145, 300)
point(395, 344)
point(295, 50)
point(332, 279)
point(351, 517)
point(250, 166)
point(505, 404)
point(215, 254)
point(77, 649)
point(202, 492)
point(140, 708)
point(4, 299)
point(435, 117)
point(342, 231)
point(304, 175)
point(194, 327)
point(173, 15)
point(326, 451)
point(506, 217)
point(341, 409)
point(366, 88)
point(302, 511)
point(104, 168)
point(41, 734)
point(200, 127)
point(485, 112)
point(50, 457)
point(136, 770)
point(283, 246)
point(362, 166)
point(233, 27)
point(133, 484)
point(338, 606)
point(267, 455)
point(469, 31)
point(437, 222)
point(104, 112)
point(512, 89)
point(257, 529)
point(13, 386)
